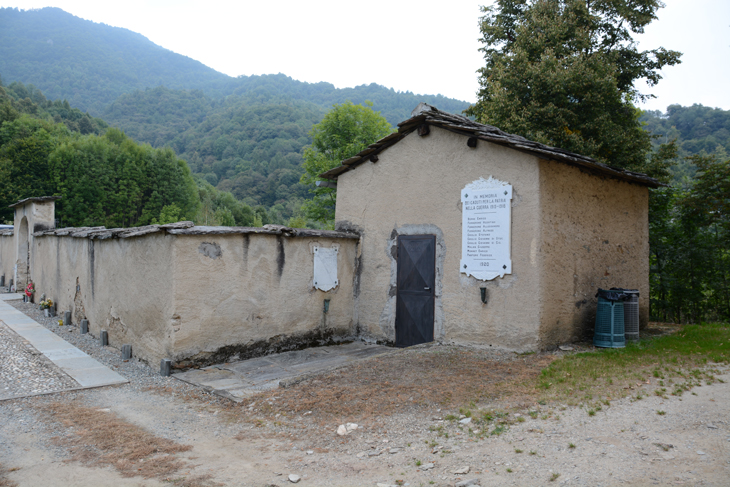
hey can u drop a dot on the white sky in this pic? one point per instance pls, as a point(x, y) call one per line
point(422, 47)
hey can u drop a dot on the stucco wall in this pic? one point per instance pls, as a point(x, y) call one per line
point(120, 285)
point(197, 298)
point(595, 234)
point(29, 218)
point(249, 293)
point(7, 257)
point(415, 187)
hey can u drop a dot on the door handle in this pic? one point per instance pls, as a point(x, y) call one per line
point(426, 288)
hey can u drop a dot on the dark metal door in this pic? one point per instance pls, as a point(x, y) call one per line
point(416, 294)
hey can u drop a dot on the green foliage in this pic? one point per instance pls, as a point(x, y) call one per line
point(696, 129)
point(689, 228)
point(222, 208)
point(244, 135)
point(345, 130)
point(562, 72)
point(169, 214)
point(89, 64)
point(103, 179)
point(18, 99)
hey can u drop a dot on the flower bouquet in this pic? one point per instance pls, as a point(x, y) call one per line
point(29, 290)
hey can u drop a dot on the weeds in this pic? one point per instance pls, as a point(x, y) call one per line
point(554, 477)
point(685, 354)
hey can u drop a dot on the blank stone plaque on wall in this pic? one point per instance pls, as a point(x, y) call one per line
point(325, 268)
point(486, 229)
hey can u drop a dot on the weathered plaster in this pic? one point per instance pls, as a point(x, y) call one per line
point(197, 298)
point(28, 218)
point(595, 234)
point(7, 256)
point(259, 288)
point(418, 182)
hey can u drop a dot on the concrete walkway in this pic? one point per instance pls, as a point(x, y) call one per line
point(238, 380)
point(82, 368)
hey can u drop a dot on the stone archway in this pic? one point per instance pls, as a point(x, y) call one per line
point(22, 263)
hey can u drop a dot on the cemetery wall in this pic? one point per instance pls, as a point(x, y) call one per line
point(415, 188)
point(251, 293)
point(595, 235)
point(7, 255)
point(198, 296)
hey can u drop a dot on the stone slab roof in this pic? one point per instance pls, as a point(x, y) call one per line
point(425, 114)
point(34, 199)
point(187, 228)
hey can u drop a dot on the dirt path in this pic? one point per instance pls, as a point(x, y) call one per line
point(409, 432)
point(626, 443)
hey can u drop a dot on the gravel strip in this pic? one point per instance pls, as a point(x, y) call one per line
point(138, 373)
point(25, 371)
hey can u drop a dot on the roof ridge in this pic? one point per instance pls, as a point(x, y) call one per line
point(428, 114)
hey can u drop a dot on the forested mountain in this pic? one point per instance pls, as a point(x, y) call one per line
point(244, 135)
point(696, 129)
point(86, 63)
point(91, 65)
point(249, 145)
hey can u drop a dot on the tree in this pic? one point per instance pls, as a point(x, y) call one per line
point(690, 262)
point(562, 72)
point(343, 132)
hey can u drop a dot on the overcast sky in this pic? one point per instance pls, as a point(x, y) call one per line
point(422, 47)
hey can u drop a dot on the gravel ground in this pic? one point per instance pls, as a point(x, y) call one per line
point(654, 441)
point(25, 371)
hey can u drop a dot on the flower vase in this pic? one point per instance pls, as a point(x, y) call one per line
point(47, 312)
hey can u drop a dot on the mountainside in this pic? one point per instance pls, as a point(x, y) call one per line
point(91, 65)
point(249, 144)
point(244, 135)
point(696, 129)
point(86, 63)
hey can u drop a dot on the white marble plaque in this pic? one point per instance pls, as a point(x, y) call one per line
point(325, 268)
point(486, 229)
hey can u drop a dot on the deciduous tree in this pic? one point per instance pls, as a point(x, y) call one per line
point(343, 132)
point(563, 72)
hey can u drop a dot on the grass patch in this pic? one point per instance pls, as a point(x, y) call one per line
point(681, 359)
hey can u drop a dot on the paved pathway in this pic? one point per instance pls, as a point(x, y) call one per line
point(238, 380)
point(31, 356)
